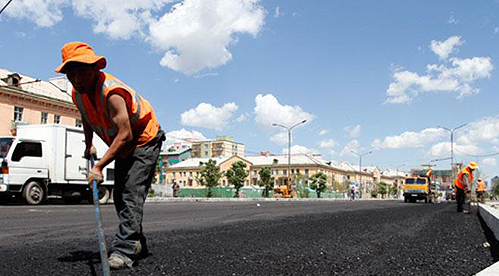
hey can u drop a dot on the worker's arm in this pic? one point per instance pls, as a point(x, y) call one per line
point(123, 140)
point(467, 183)
point(89, 135)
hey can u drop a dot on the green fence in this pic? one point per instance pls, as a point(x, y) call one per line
point(251, 192)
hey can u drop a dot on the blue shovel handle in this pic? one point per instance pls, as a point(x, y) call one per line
point(100, 232)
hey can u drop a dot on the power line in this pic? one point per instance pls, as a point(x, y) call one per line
point(478, 156)
point(5, 6)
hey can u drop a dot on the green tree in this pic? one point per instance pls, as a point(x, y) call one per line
point(209, 175)
point(266, 180)
point(383, 189)
point(495, 190)
point(393, 190)
point(318, 183)
point(236, 175)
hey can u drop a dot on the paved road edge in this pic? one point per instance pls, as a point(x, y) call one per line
point(491, 217)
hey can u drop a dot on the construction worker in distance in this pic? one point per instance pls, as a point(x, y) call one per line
point(127, 124)
point(462, 183)
point(480, 190)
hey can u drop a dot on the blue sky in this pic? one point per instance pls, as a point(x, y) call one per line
point(367, 75)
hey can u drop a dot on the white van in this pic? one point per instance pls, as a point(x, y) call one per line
point(45, 160)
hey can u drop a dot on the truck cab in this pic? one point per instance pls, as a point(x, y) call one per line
point(45, 160)
point(418, 188)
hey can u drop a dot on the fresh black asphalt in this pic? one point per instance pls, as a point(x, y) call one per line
point(254, 238)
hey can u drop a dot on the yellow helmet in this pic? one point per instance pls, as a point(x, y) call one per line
point(473, 165)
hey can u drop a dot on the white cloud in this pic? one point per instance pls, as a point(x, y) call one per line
point(444, 48)
point(349, 147)
point(452, 20)
point(276, 12)
point(196, 34)
point(268, 111)
point(119, 19)
point(44, 13)
point(242, 117)
point(456, 79)
point(353, 131)
point(491, 162)
point(456, 75)
point(184, 136)
point(409, 139)
point(329, 143)
point(208, 116)
point(323, 132)
point(280, 138)
point(483, 130)
point(193, 35)
point(496, 30)
point(297, 149)
point(443, 150)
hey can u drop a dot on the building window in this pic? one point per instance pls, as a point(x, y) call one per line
point(306, 171)
point(18, 114)
point(57, 119)
point(292, 171)
point(173, 174)
point(284, 172)
point(78, 123)
point(44, 119)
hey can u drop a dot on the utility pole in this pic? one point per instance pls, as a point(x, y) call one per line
point(452, 145)
point(360, 169)
point(289, 142)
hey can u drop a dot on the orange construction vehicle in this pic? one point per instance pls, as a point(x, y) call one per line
point(285, 190)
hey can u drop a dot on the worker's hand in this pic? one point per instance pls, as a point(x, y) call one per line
point(95, 174)
point(92, 151)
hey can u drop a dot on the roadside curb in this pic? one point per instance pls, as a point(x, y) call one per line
point(491, 217)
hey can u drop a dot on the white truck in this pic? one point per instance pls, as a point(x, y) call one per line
point(45, 160)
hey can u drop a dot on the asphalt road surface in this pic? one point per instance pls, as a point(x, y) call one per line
point(254, 238)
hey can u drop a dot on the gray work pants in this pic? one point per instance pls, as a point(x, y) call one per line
point(132, 180)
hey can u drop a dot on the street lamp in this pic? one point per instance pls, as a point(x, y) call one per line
point(289, 140)
point(452, 145)
point(360, 168)
point(398, 179)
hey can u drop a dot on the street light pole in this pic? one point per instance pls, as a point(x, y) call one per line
point(398, 179)
point(452, 146)
point(360, 169)
point(289, 141)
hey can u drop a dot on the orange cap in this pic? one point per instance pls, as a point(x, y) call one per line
point(79, 52)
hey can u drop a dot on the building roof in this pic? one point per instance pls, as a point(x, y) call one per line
point(194, 162)
point(57, 88)
point(176, 152)
point(298, 159)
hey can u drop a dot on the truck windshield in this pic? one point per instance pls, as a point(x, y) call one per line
point(421, 181)
point(409, 181)
point(5, 144)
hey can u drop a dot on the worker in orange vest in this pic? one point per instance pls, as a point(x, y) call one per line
point(127, 124)
point(480, 190)
point(462, 184)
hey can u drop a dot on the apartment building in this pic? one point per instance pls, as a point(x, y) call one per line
point(26, 100)
point(186, 172)
point(222, 146)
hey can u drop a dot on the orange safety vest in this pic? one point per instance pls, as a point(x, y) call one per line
point(459, 181)
point(481, 187)
point(95, 111)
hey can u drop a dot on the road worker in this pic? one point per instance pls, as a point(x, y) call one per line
point(127, 124)
point(462, 183)
point(480, 190)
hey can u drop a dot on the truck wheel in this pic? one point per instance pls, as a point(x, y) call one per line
point(104, 195)
point(406, 199)
point(34, 193)
point(426, 200)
